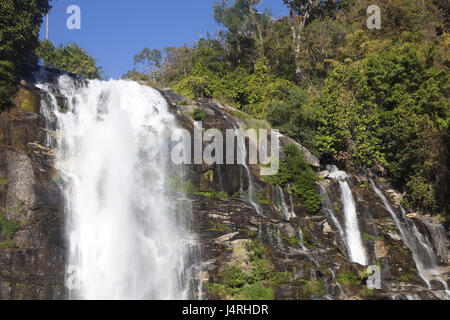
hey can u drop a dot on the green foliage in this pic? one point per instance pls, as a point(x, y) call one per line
point(319, 48)
point(367, 99)
point(286, 115)
point(313, 288)
point(292, 242)
point(262, 199)
point(3, 181)
point(389, 110)
point(8, 83)
point(253, 92)
point(148, 60)
point(19, 29)
point(260, 264)
point(257, 292)
point(258, 284)
point(217, 227)
point(8, 244)
point(366, 292)
point(200, 83)
point(308, 240)
point(70, 58)
point(233, 277)
point(8, 227)
point(296, 170)
point(348, 279)
point(408, 277)
point(136, 76)
point(368, 237)
point(181, 186)
point(198, 115)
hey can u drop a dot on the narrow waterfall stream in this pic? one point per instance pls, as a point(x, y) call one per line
point(421, 249)
point(243, 151)
point(282, 204)
point(126, 239)
point(305, 249)
point(328, 209)
point(354, 242)
point(291, 201)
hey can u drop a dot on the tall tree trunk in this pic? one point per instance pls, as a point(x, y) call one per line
point(296, 44)
point(298, 23)
point(46, 33)
point(259, 38)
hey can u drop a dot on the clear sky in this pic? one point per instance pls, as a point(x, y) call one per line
point(114, 30)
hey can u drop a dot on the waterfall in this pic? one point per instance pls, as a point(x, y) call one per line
point(305, 249)
point(291, 201)
point(328, 208)
point(421, 249)
point(338, 285)
point(243, 150)
point(353, 235)
point(282, 204)
point(126, 239)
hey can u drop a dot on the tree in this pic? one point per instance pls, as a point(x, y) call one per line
point(243, 21)
point(302, 12)
point(149, 61)
point(19, 28)
point(70, 58)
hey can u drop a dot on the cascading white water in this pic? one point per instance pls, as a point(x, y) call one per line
point(421, 249)
point(356, 249)
point(282, 204)
point(291, 201)
point(304, 248)
point(338, 285)
point(328, 208)
point(243, 151)
point(124, 235)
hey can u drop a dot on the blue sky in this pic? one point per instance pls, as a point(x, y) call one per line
point(114, 30)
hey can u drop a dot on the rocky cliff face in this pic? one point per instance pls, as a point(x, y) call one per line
point(267, 248)
point(305, 256)
point(31, 241)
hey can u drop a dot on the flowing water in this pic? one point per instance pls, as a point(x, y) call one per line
point(243, 151)
point(421, 249)
point(126, 238)
point(291, 201)
point(356, 249)
point(305, 249)
point(327, 207)
point(282, 204)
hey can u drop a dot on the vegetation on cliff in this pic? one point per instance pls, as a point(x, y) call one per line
point(295, 170)
point(19, 28)
point(359, 98)
point(70, 58)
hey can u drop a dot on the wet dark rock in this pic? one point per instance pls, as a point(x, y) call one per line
point(32, 259)
point(225, 222)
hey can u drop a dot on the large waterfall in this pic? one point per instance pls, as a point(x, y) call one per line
point(125, 237)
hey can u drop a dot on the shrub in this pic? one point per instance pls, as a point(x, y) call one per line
point(198, 115)
point(256, 292)
point(8, 227)
point(297, 171)
point(313, 287)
